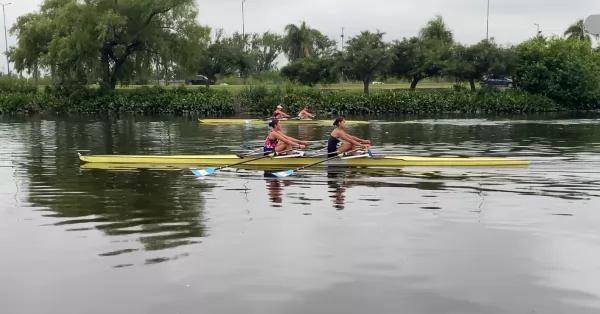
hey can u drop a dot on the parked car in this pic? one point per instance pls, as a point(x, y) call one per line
point(496, 81)
point(201, 80)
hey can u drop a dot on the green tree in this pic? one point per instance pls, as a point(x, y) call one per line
point(311, 71)
point(366, 55)
point(565, 70)
point(473, 62)
point(33, 32)
point(418, 58)
point(577, 31)
point(109, 39)
point(301, 41)
point(423, 56)
point(507, 61)
point(437, 29)
point(225, 56)
point(264, 50)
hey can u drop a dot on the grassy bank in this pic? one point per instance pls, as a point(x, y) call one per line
point(262, 100)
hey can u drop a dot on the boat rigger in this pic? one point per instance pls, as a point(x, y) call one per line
point(299, 159)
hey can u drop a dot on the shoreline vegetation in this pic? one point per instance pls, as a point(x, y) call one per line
point(262, 100)
point(89, 58)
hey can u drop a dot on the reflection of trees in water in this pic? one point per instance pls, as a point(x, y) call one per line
point(163, 208)
point(465, 135)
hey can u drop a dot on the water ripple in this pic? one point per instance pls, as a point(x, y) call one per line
point(426, 239)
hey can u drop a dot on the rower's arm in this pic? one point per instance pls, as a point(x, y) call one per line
point(295, 140)
point(291, 140)
point(360, 140)
point(284, 138)
point(348, 138)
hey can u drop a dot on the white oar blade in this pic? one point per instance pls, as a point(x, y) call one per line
point(282, 174)
point(203, 172)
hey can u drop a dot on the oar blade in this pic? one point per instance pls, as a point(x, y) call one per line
point(282, 174)
point(203, 172)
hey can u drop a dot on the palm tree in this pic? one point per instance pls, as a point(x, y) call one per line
point(577, 31)
point(298, 40)
point(437, 29)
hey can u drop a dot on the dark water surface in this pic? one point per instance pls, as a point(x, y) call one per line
point(412, 240)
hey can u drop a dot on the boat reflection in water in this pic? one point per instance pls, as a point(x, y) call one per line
point(337, 187)
point(335, 181)
point(338, 179)
point(275, 187)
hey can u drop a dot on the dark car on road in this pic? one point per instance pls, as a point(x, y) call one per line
point(201, 80)
point(496, 81)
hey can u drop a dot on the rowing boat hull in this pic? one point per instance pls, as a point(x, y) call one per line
point(376, 161)
point(259, 121)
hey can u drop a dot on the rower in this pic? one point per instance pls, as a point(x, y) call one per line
point(277, 141)
point(348, 142)
point(304, 114)
point(278, 114)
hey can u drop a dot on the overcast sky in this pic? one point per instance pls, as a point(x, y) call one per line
point(511, 21)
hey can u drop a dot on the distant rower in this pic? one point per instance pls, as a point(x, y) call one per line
point(304, 114)
point(278, 114)
point(349, 142)
point(277, 141)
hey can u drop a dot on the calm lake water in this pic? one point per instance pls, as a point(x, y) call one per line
point(412, 240)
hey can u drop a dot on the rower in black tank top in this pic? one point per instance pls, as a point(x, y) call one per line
point(341, 142)
point(332, 145)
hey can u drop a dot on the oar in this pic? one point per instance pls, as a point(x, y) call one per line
point(259, 151)
point(209, 171)
point(286, 173)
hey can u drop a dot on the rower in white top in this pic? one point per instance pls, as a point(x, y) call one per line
point(304, 114)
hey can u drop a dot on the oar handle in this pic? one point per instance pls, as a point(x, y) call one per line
point(256, 151)
point(253, 159)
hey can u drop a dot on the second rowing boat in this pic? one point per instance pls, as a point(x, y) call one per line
point(282, 121)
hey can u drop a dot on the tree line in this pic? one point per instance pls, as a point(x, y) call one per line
point(112, 42)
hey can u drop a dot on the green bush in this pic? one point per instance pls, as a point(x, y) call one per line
point(182, 100)
point(145, 100)
point(565, 70)
point(437, 101)
point(16, 85)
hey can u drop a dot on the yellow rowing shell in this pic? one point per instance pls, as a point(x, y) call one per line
point(259, 121)
point(376, 161)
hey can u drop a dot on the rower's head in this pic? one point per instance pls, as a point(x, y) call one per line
point(279, 107)
point(274, 124)
point(339, 122)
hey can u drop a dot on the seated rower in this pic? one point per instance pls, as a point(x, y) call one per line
point(278, 114)
point(304, 114)
point(278, 142)
point(348, 142)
